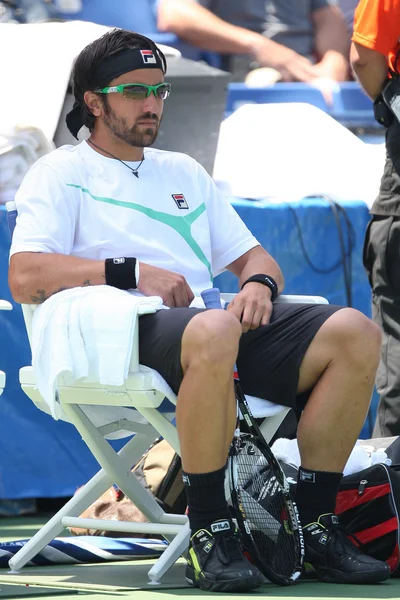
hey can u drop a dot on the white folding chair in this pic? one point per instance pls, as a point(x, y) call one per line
point(4, 305)
point(156, 420)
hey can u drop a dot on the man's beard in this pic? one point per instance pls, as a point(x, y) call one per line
point(132, 135)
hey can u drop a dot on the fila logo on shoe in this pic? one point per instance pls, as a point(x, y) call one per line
point(220, 526)
point(208, 547)
point(323, 539)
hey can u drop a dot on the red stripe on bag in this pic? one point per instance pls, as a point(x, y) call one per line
point(372, 533)
point(393, 560)
point(347, 499)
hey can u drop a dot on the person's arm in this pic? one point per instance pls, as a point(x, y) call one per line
point(200, 27)
point(253, 304)
point(35, 276)
point(375, 34)
point(370, 67)
point(233, 247)
point(331, 43)
point(41, 263)
point(255, 261)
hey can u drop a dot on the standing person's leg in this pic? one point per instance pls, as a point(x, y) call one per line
point(381, 259)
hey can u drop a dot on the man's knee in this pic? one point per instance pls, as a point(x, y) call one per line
point(347, 339)
point(353, 336)
point(211, 337)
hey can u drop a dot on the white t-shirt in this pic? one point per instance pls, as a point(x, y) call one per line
point(77, 202)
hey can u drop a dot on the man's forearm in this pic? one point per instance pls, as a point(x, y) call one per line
point(34, 277)
point(257, 261)
point(332, 42)
point(199, 26)
point(266, 266)
point(330, 32)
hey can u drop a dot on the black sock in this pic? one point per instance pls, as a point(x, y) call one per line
point(206, 498)
point(316, 493)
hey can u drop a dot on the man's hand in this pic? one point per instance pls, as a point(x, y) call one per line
point(252, 306)
point(291, 66)
point(172, 287)
point(333, 66)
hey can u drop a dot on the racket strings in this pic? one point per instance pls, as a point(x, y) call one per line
point(264, 505)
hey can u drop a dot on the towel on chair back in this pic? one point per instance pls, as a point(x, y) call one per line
point(84, 332)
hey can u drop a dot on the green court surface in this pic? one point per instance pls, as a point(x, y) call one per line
point(128, 579)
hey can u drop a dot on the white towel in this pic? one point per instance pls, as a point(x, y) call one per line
point(84, 332)
point(359, 459)
point(87, 332)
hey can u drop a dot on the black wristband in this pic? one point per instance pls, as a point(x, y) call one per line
point(120, 273)
point(265, 280)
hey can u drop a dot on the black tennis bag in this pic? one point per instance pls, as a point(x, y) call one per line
point(367, 503)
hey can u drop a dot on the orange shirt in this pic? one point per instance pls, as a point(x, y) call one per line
point(377, 26)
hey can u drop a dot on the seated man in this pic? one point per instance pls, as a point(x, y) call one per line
point(303, 40)
point(113, 211)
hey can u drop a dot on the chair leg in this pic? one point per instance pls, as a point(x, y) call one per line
point(78, 503)
point(118, 470)
point(168, 558)
point(93, 489)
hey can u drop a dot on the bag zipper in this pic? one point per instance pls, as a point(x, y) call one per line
point(361, 487)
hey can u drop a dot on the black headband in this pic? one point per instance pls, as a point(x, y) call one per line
point(111, 67)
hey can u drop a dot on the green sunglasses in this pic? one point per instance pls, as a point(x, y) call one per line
point(138, 91)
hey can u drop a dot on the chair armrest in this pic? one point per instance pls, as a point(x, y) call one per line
point(287, 298)
point(145, 309)
point(299, 299)
point(4, 305)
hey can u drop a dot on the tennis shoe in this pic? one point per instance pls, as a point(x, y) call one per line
point(334, 558)
point(216, 562)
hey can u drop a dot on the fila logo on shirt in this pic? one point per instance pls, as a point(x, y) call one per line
point(180, 200)
point(148, 56)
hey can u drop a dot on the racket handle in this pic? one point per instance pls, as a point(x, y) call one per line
point(212, 298)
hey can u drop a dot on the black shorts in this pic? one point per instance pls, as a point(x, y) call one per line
point(269, 357)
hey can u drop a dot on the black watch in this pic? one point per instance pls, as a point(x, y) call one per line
point(265, 280)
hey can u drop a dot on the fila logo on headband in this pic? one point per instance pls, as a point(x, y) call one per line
point(180, 200)
point(148, 57)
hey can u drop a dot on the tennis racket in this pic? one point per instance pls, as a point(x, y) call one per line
point(260, 495)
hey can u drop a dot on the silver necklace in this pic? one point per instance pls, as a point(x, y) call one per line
point(134, 171)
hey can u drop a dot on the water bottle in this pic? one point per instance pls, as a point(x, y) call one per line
point(211, 298)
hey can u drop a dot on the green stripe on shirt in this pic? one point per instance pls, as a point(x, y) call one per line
point(181, 225)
